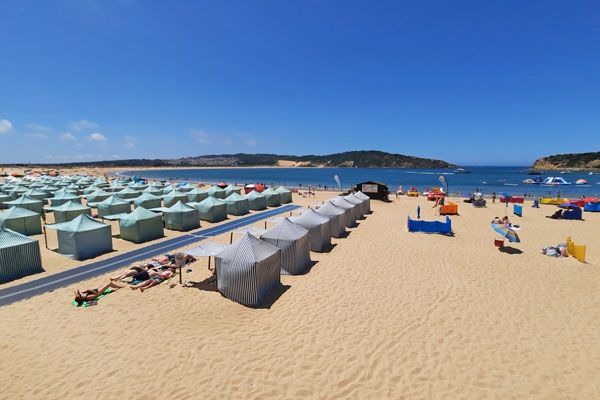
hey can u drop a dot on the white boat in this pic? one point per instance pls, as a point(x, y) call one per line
point(555, 181)
point(460, 170)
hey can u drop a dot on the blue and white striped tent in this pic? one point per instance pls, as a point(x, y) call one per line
point(337, 216)
point(319, 227)
point(361, 209)
point(349, 208)
point(294, 242)
point(19, 255)
point(248, 271)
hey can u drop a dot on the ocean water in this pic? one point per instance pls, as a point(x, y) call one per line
point(485, 179)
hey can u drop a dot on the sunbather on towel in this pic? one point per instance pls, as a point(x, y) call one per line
point(557, 215)
point(133, 271)
point(91, 294)
point(154, 280)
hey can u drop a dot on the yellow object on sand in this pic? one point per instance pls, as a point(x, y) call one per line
point(553, 200)
point(412, 194)
point(576, 250)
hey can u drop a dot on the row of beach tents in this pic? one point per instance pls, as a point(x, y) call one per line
point(248, 271)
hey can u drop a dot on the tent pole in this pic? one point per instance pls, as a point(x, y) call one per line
point(45, 238)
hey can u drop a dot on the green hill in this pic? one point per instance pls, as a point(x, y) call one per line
point(576, 161)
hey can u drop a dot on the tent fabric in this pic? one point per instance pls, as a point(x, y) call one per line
point(181, 217)
point(197, 195)
point(153, 190)
point(319, 228)
point(25, 222)
point(61, 197)
point(173, 197)
point(237, 204)
point(83, 237)
point(147, 200)
point(206, 248)
point(361, 208)
point(141, 226)
point(217, 192)
point(573, 213)
point(256, 201)
point(285, 195)
point(592, 207)
point(98, 196)
point(69, 211)
point(273, 198)
point(113, 205)
point(349, 208)
point(365, 198)
point(19, 255)
point(212, 209)
point(294, 242)
point(128, 193)
point(37, 194)
point(4, 198)
point(230, 189)
point(27, 203)
point(248, 270)
point(337, 216)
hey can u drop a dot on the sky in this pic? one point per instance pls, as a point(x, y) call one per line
point(469, 82)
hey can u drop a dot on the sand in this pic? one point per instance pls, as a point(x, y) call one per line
point(385, 314)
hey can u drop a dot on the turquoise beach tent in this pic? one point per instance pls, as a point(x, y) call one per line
point(212, 209)
point(147, 200)
point(97, 196)
point(256, 201)
point(25, 222)
point(61, 197)
point(37, 194)
point(113, 205)
point(285, 195)
point(128, 193)
point(4, 198)
point(173, 197)
point(181, 217)
point(217, 192)
point(273, 198)
point(197, 195)
point(69, 211)
point(27, 203)
point(83, 237)
point(19, 255)
point(237, 204)
point(230, 189)
point(141, 226)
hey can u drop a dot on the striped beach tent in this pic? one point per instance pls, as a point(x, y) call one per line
point(69, 211)
point(319, 228)
point(349, 208)
point(19, 255)
point(360, 208)
point(211, 209)
point(273, 198)
point(248, 271)
point(237, 204)
point(18, 219)
point(365, 198)
point(294, 242)
point(337, 217)
point(285, 195)
point(256, 201)
point(83, 237)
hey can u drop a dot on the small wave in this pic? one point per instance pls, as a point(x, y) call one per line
point(428, 173)
point(510, 184)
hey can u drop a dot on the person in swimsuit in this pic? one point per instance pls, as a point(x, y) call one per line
point(92, 294)
point(154, 280)
point(133, 271)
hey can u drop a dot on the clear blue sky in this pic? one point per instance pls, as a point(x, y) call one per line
point(471, 82)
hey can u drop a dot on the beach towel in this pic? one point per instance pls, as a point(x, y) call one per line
point(92, 302)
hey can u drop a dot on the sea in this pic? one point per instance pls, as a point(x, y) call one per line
point(487, 179)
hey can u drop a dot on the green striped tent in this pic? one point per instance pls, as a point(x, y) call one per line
point(69, 211)
point(19, 255)
point(83, 237)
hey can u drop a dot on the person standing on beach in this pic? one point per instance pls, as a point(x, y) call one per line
point(493, 197)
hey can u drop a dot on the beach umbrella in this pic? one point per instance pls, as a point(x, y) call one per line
point(506, 233)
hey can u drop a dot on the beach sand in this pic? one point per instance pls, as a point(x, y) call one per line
point(384, 314)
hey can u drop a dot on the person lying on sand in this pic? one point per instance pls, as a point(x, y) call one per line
point(154, 280)
point(496, 220)
point(91, 294)
point(132, 271)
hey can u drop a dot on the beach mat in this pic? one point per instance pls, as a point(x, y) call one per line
point(89, 303)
